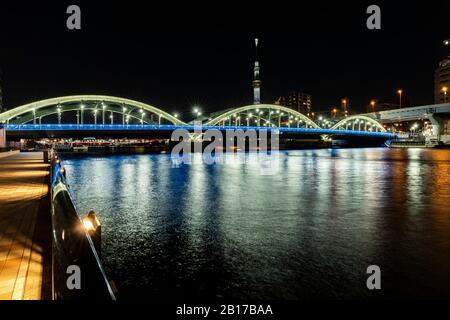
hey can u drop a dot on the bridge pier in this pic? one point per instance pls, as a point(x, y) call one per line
point(441, 127)
point(2, 137)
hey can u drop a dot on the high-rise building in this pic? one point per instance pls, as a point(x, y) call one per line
point(442, 81)
point(256, 80)
point(299, 101)
point(295, 100)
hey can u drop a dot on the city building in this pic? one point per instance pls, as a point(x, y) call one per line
point(442, 81)
point(296, 100)
point(299, 101)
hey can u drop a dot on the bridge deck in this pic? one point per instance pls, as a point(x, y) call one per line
point(25, 228)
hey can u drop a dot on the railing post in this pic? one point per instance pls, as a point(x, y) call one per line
point(46, 156)
point(94, 228)
point(2, 136)
point(62, 172)
point(72, 247)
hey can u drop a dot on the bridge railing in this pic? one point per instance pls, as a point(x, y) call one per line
point(189, 127)
point(74, 254)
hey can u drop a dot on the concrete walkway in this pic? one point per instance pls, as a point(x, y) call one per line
point(25, 228)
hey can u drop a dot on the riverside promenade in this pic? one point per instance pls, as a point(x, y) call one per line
point(25, 227)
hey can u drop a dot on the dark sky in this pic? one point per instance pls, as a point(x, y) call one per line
point(177, 56)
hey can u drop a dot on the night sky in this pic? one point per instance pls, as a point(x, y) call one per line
point(176, 56)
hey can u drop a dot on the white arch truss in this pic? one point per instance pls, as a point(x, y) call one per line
point(358, 122)
point(34, 106)
point(230, 113)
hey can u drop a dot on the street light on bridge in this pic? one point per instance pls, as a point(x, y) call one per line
point(103, 112)
point(124, 109)
point(279, 118)
point(142, 117)
point(197, 112)
point(95, 116)
point(372, 104)
point(400, 93)
point(34, 116)
point(59, 115)
point(445, 90)
point(82, 113)
point(334, 112)
point(344, 104)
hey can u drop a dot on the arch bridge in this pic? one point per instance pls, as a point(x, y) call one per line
point(96, 113)
point(97, 109)
point(262, 115)
point(359, 123)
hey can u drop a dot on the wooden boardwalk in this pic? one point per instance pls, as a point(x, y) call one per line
point(25, 228)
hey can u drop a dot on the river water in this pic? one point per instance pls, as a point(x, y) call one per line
point(308, 230)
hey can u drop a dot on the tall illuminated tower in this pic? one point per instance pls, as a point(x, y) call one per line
point(256, 81)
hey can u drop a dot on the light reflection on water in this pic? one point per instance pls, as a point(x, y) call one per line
point(309, 231)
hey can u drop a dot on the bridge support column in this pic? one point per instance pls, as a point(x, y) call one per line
point(441, 127)
point(436, 126)
point(2, 137)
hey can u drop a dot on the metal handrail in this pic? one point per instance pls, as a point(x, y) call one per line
point(73, 246)
point(169, 127)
